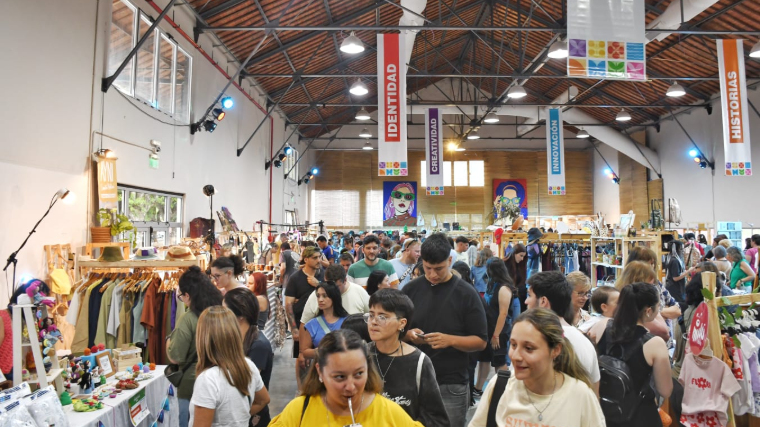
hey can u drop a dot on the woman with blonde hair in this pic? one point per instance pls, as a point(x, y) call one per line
point(343, 388)
point(581, 293)
point(635, 271)
point(546, 369)
point(228, 387)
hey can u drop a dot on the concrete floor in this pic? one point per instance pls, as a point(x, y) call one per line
point(282, 385)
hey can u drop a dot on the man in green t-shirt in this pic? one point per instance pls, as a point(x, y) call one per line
point(359, 271)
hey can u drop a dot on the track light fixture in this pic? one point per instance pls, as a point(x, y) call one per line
point(103, 153)
point(358, 88)
point(491, 118)
point(228, 102)
point(352, 44)
point(363, 114)
point(517, 92)
point(612, 175)
point(218, 114)
point(287, 150)
point(623, 116)
point(700, 159)
point(209, 126)
point(675, 90)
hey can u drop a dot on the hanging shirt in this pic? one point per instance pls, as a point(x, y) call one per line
point(708, 384)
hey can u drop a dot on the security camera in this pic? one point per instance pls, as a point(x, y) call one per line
point(156, 145)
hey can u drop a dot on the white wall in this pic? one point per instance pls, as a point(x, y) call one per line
point(706, 197)
point(50, 84)
point(606, 192)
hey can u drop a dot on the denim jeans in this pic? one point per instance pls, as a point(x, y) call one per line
point(456, 400)
point(184, 412)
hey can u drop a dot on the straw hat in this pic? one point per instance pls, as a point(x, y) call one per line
point(111, 254)
point(179, 253)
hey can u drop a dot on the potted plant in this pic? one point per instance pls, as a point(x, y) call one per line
point(121, 224)
point(102, 233)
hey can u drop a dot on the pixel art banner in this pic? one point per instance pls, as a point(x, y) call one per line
point(605, 39)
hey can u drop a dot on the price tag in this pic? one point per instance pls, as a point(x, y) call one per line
point(698, 329)
point(138, 407)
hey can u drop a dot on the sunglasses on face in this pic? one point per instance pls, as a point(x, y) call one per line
point(400, 195)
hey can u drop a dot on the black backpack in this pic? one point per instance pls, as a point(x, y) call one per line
point(618, 398)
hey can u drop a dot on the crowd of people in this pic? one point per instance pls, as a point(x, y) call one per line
point(405, 332)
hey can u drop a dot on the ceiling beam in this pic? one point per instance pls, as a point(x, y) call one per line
point(229, 4)
point(373, 103)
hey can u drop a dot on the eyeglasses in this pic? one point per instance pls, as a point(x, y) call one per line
point(400, 195)
point(515, 201)
point(381, 319)
point(218, 276)
point(583, 294)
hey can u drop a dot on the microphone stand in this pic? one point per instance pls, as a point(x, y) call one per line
point(12, 258)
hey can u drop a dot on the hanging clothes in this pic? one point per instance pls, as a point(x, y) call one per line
point(708, 384)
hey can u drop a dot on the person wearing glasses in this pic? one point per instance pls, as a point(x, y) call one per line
point(225, 271)
point(407, 373)
point(581, 293)
point(399, 209)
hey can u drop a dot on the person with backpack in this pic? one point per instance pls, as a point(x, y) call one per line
point(550, 387)
point(630, 358)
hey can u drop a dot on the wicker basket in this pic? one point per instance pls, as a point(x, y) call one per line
point(100, 234)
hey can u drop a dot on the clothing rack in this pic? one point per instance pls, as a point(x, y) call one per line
point(508, 238)
point(715, 337)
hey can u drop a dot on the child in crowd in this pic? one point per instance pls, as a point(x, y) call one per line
point(604, 302)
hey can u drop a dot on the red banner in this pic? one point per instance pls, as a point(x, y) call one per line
point(391, 105)
point(391, 86)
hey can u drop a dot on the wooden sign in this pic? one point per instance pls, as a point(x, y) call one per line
point(108, 195)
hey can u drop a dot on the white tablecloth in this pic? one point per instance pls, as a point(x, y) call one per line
point(116, 410)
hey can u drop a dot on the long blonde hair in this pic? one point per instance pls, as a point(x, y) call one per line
point(634, 272)
point(219, 343)
point(547, 322)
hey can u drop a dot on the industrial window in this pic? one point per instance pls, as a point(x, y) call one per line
point(462, 177)
point(157, 216)
point(446, 174)
point(338, 208)
point(162, 76)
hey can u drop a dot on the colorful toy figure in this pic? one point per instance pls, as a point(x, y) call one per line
point(36, 295)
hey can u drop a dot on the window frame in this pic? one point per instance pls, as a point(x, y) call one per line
point(145, 226)
point(158, 35)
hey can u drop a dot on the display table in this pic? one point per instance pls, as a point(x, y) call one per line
point(116, 410)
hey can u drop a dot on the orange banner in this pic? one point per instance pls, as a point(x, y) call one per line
point(734, 108)
point(107, 192)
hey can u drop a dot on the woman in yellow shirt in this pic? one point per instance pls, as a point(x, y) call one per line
point(343, 384)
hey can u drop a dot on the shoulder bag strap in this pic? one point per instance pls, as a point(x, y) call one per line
point(305, 405)
point(498, 391)
point(406, 273)
point(322, 324)
point(420, 362)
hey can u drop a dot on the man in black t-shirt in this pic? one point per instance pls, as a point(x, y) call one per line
point(449, 322)
point(300, 285)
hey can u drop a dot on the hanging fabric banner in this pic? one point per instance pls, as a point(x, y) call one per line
point(606, 40)
point(433, 152)
point(555, 152)
point(391, 99)
point(733, 102)
point(107, 193)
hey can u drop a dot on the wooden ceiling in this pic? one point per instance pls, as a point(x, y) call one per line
point(438, 52)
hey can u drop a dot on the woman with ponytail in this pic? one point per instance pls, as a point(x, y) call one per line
point(245, 306)
point(550, 387)
point(226, 270)
point(647, 355)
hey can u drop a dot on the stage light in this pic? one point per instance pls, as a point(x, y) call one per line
point(306, 179)
point(287, 150)
point(491, 118)
point(219, 114)
point(607, 171)
point(352, 44)
point(363, 114)
point(623, 116)
point(616, 180)
point(675, 91)
point(209, 125)
point(693, 153)
point(367, 146)
point(365, 133)
point(228, 102)
point(358, 88)
point(558, 50)
point(517, 92)
point(698, 158)
point(314, 170)
point(703, 164)
point(583, 134)
point(281, 157)
point(277, 163)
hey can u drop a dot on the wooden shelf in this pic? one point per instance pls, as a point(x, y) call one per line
point(50, 376)
point(137, 264)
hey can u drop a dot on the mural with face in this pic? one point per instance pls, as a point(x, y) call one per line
point(509, 194)
point(399, 207)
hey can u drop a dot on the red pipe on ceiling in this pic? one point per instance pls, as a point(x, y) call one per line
point(227, 76)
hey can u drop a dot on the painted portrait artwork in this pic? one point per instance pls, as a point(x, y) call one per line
point(399, 201)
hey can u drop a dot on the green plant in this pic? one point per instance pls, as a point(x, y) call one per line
point(122, 224)
point(105, 217)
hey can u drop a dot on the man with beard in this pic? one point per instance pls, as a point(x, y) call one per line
point(359, 272)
